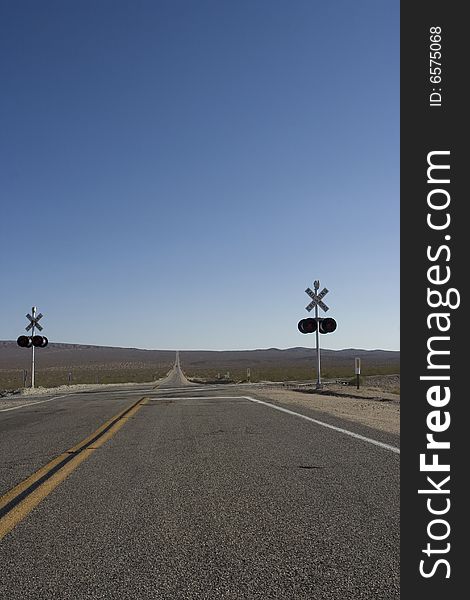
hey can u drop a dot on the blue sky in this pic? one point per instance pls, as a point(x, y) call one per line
point(176, 173)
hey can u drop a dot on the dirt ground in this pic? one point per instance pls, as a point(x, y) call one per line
point(371, 406)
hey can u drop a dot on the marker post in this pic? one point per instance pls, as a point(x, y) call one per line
point(357, 369)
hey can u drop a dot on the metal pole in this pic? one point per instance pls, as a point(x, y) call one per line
point(33, 312)
point(316, 285)
point(318, 350)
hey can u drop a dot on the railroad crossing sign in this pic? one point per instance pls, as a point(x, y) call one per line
point(316, 299)
point(317, 325)
point(34, 321)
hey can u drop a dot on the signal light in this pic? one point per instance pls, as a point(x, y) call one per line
point(327, 325)
point(307, 325)
point(40, 341)
point(24, 341)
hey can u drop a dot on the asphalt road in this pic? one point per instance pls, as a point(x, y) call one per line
point(201, 493)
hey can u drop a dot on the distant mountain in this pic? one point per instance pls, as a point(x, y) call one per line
point(66, 355)
point(291, 363)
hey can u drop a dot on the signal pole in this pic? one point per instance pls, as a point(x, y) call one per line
point(27, 341)
point(319, 325)
point(30, 341)
point(33, 322)
point(316, 286)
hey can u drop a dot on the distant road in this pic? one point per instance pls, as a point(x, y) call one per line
point(194, 492)
point(175, 377)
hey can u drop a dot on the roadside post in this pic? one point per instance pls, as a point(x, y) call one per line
point(357, 369)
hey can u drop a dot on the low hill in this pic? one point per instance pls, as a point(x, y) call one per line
point(66, 355)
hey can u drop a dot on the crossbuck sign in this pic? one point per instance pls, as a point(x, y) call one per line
point(34, 321)
point(316, 299)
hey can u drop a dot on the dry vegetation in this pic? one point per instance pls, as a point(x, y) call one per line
point(97, 364)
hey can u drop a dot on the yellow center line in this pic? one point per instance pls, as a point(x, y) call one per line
point(72, 458)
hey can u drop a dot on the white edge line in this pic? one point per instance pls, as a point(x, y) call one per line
point(38, 402)
point(295, 414)
point(323, 424)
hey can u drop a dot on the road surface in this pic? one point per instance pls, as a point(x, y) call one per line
point(192, 492)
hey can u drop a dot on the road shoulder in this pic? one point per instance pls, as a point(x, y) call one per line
point(380, 414)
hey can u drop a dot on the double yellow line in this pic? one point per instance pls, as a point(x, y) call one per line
point(17, 503)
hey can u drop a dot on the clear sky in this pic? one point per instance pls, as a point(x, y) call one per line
point(175, 173)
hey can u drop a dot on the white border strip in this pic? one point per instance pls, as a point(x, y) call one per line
point(323, 424)
point(32, 403)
